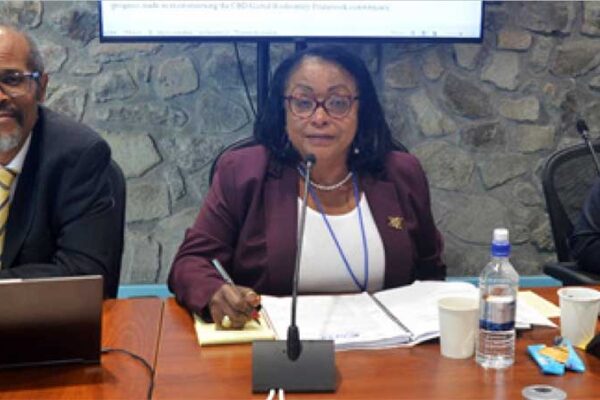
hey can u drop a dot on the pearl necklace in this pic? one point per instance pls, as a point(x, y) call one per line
point(326, 188)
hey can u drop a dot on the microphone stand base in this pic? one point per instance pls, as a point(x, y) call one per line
point(313, 371)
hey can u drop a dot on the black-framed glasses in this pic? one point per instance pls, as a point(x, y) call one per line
point(17, 83)
point(335, 105)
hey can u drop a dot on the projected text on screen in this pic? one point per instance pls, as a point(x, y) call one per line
point(304, 19)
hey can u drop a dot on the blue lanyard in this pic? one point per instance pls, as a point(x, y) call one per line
point(362, 287)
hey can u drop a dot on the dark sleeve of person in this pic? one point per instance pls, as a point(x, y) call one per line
point(413, 191)
point(585, 241)
point(84, 221)
point(214, 234)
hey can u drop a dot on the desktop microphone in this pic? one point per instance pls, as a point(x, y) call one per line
point(295, 365)
point(583, 131)
point(294, 347)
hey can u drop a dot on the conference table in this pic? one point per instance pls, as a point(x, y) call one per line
point(162, 333)
point(132, 325)
point(185, 370)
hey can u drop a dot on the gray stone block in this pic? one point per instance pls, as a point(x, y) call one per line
point(531, 138)
point(546, 17)
point(432, 122)
point(503, 70)
point(447, 166)
point(527, 194)
point(175, 182)
point(218, 113)
point(140, 259)
point(78, 23)
point(522, 109)
point(54, 57)
point(432, 65)
point(540, 53)
point(113, 85)
point(401, 74)
point(509, 39)
point(466, 98)
point(591, 18)
point(499, 169)
point(153, 114)
point(70, 100)
point(474, 218)
point(576, 58)
point(135, 153)
point(468, 56)
point(176, 76)
point(487, 137)
point(22, 13)
point(147, 201)
point(106, 52)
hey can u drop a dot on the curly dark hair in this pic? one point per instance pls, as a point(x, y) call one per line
point(373, 136)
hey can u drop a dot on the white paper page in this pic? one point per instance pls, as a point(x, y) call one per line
point(541, 305)
point(527, 316)
point(347, 319)
point(416, 305)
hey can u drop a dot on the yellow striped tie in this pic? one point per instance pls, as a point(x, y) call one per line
point(6, 179)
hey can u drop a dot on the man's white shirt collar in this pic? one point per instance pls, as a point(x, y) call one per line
point(16, 164)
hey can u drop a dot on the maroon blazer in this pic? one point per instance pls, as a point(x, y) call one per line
point(249, 222)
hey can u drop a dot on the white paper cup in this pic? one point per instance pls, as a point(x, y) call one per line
point(578, 314)
point(458, 318)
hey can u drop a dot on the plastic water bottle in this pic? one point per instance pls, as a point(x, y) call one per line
point(498, 287)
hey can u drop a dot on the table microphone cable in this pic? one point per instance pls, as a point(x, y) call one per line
point(145, 363)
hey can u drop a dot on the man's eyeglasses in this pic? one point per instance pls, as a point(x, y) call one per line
point(17, 83)
point(335, 105)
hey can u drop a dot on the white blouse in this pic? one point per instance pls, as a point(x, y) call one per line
point(322, 268)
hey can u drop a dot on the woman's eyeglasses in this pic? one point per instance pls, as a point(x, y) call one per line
point(17, 83)
point(335, 105)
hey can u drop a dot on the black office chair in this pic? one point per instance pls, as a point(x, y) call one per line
point(567, 178)
point(117, 179)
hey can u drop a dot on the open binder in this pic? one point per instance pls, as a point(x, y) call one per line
point(402, 316)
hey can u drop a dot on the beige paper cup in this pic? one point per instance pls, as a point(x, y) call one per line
point(458, 318)
point(579, 308)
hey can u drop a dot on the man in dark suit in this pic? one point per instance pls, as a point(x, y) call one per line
point(58, 215)
point(585, 241)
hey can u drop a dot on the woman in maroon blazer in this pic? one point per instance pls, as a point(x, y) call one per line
point(368, 225)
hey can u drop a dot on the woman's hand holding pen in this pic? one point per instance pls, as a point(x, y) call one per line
point(232, 306)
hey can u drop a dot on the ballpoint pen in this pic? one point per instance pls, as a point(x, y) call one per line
point(229, 281)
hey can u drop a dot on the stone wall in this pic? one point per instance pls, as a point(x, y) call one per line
point(482, 118)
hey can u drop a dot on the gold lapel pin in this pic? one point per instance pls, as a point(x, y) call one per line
point(396, 223)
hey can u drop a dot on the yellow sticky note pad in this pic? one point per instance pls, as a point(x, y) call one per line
point(208, 334)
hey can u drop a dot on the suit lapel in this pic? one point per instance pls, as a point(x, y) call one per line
point(281, 206)
point(389, 218)
point(21, 211)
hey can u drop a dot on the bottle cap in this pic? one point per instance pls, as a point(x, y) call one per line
point(500, 243)
point(543, 392)
point(500, 235)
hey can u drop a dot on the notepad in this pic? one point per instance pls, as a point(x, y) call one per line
point(208, 334)
point(397, 317)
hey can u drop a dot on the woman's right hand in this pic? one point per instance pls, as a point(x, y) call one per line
point(231, 307)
